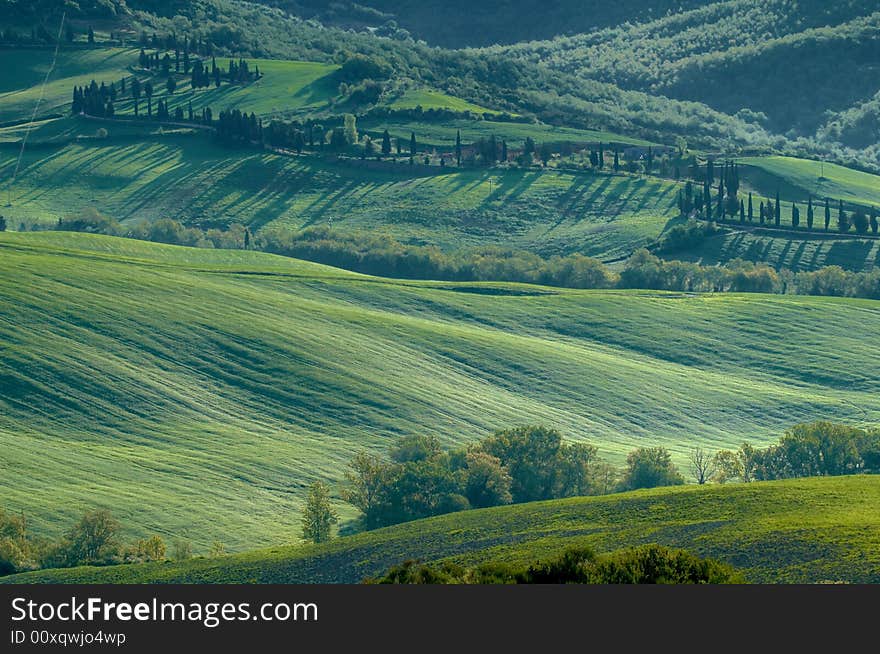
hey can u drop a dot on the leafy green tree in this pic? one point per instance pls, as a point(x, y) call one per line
point(415, 448)
point(860, 220)
point(529, 454)
point(93, 539)
point(728, 466)
point(367, 478)
point(649, 467)
point(319, 516)
point(349, 129)
point(487, 482)
point(149, 549)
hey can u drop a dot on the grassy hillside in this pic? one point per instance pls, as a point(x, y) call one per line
point(198, 392)
point(443, 133)
point(809, 530)
point(428, 99)
point(287, 87)
point(193, 180)
point(781, 250)
point(801, 178)
point(24, 70)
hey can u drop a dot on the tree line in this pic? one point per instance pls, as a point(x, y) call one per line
point(386, 257)
point(723, 203)
point(418, 479)
point(94, 539)
point(815, 449)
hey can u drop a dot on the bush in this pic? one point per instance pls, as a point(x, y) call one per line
point(648, 564)
point(650, 467)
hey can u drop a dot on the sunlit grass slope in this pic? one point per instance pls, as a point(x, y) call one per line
point(788, 250)
point(25, 69)
point(198, 182)
point(428, 99)
point(800, 178)
point(198, 392)
point(799, 531)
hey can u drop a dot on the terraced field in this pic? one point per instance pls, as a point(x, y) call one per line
point(198, 392)
point(799, 531)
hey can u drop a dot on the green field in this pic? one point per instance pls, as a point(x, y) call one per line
point(25, 69)
point(798, 179)
point(286, 87)
point(800, 531)
point(199, 392)
point(198, 182)
point(429, 99)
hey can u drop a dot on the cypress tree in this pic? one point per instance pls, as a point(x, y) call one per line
point(601, 156)
point(777, 210)
point(751, 209)
point(412, 144)
point(827, 214)
point(742, 211)
point(842, 218)
point(617, 161)
point(810, 213)
point(795, 216)
point(457, 148)
point(386, 143)
point(707, 200)
point(763, 213)
point(874, 224)
point(503, 151)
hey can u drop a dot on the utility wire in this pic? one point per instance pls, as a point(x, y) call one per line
point(36, 108)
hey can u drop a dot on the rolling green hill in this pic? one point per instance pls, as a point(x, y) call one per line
point(26, 68)
point(199, 182)
point(198, 392)
point(798, 179)
point(786, 251)
point(807, 530)
point(428, 99)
